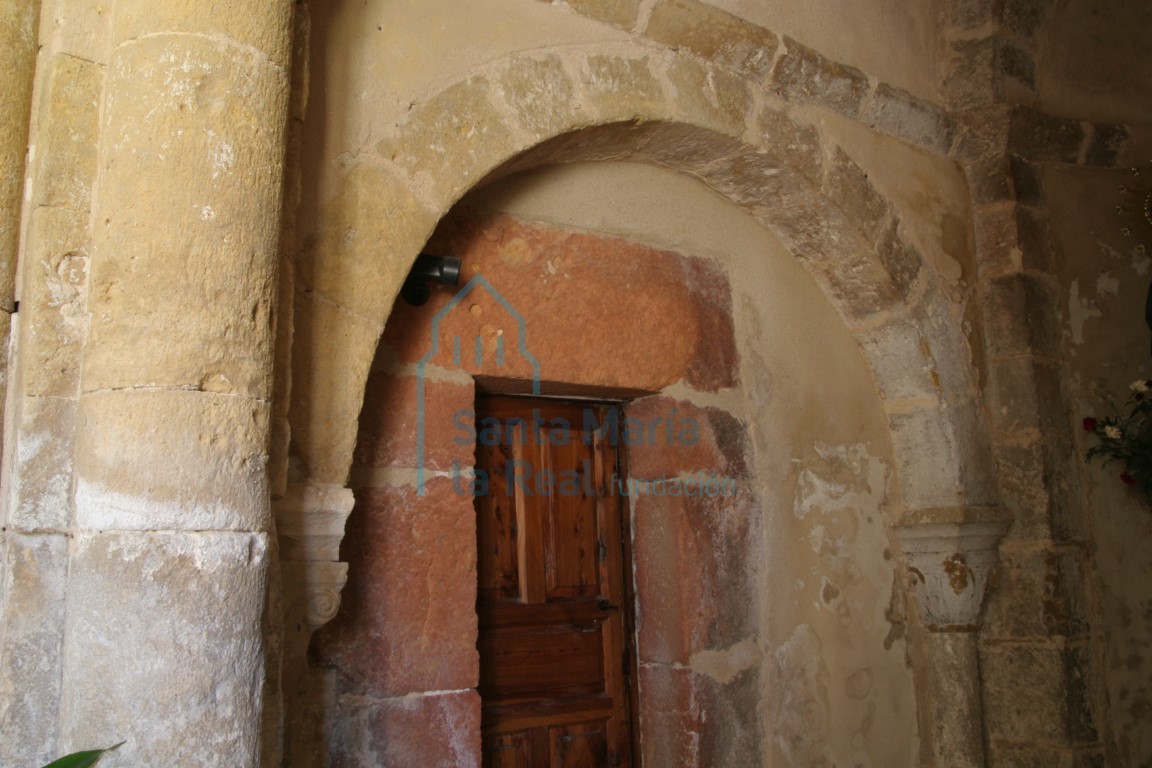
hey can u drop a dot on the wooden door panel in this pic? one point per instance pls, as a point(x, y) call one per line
point(552, 637)
point(571, 524)
point(579, 745)
point(498, 563)
point(510, 750)
point(542, 661)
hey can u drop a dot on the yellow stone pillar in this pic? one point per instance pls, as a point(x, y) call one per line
point(17, 67)
point(170, 558)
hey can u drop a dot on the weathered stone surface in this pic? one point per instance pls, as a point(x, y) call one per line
point(622, 88)
point(1028, 601)
point(688, 719)
point(54, 305)
point(1041, 137)
point(710, 97)
point(345, 262)
point(1107, 143)
point(1020, 315)
point(197, 110)
point(900, 259)
point(695, 572)
point(901, 114)
point(997, 240)
point(1016, 64)
point(847, 185)
point(969, 14)
point(680, 439)
point(162, 622)
point(408, 620)
point(1038, 248)
point(452, 140)
point(1020, 469)
point(440, 730)
point(69, 116)
point(247, 23)
point(1026, 694)
point(920, 439)
point(968, 81)
point(618, 13)
point(393, 418)
point(332, 354)
point(182, 460)
point(539, 92)
point(902, 360)
point(17, 67)
point(797, 142)
point(804, 75)
point(1024, 17)
point(34, 574)
point(955, 736)
point(715, 35)
point(543, 284)
point(41, 481)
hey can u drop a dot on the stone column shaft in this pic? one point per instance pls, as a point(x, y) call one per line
point(169, 564)
point(950, 554)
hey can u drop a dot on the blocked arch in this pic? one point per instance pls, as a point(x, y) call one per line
point(613, 105)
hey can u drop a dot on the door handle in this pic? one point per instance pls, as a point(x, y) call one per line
point(605, 604)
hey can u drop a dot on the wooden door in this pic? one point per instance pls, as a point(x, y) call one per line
point(554, 646)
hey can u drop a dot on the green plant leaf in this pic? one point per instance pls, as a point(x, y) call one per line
point(81, 759)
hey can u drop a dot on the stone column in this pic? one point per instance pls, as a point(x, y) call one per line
point(949, 555)
point(169, 561)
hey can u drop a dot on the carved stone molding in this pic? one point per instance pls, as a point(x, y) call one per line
point(310, 524)
point(950, 554)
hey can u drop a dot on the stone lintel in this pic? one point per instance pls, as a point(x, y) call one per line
point(949, 553)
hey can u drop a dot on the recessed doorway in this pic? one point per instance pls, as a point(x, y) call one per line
point(553, 602)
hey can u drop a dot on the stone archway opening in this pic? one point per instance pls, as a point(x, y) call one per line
point(670, 327)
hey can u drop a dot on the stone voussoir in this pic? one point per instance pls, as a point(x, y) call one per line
point(714, 35)
point(802, 74)
point(449, 141)
point(899, 113)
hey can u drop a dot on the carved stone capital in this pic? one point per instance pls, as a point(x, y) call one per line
point(310, 524)
point(949, 554)
point(310, 521)
point(313, 591)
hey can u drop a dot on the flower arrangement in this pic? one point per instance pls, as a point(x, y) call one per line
point(1126, 436)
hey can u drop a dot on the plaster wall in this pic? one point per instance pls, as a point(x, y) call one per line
point(1103, 279)
point(1093, 60)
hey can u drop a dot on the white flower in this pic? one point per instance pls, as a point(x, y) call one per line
point(1140, 385)
point(1112, 432)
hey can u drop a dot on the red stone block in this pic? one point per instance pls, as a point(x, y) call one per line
point(716, 363)
point(596, 310)
point(390, 418)
point(695, 566)
point(675, 437)
point(407, 622)
point(673, 718)
point(429, 731)
point(688, 719)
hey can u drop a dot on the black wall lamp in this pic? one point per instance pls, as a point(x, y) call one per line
point(442, 270)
